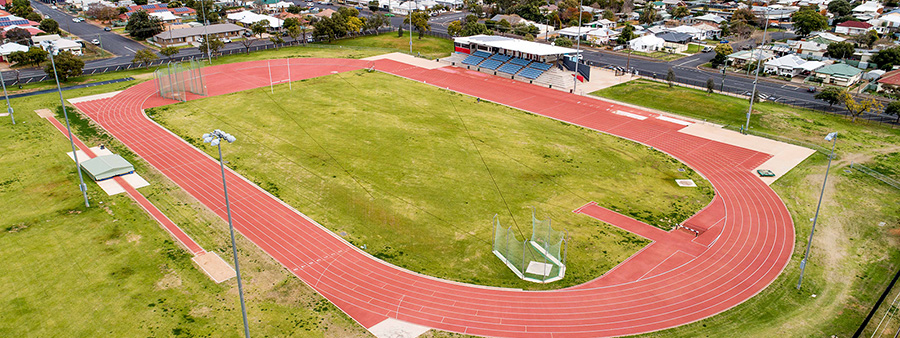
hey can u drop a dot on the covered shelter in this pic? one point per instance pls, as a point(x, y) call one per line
point(527, 50)
point(107, 166)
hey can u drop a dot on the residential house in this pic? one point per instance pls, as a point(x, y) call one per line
point(248, 18)
point(61, 45)
point(601, 36)
point(741, 58)
point(788, 65)
point(778, 48)
point(839, 74)
point(868, 10)
point(602, 23)
point(809, 67)
point(809, 49)
point(831, 38)
point(646, 43)
point(694, 32)
point(676, 42)
point(711, 19)
point(186, 36)
point(574, 31)
point(708, 31)
point(889, 82)
point(9, 48)
point(852, 27)
point(512, 19)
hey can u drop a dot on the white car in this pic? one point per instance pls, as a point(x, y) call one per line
point(95, 41)
point(226, 40)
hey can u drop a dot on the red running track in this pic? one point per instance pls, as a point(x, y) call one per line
point(750, 233)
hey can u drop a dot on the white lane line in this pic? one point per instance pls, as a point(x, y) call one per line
point(634, 116)
point(132, 50)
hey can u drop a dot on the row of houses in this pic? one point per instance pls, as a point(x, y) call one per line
point(47, 42)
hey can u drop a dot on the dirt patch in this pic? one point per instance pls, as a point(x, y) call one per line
point(133, 238)
point(169, 281)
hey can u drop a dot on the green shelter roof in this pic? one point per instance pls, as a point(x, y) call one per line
point(106, 166)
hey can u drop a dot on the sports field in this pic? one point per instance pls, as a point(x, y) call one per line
point(414, 173)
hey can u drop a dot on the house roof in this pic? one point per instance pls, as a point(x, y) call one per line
point(10, 47)
point(839, 69)
point(812, 65)
point(868, 6)
point(787, 61)
point(855, 24)
point(891, 78)
point(751, 54)
point(710, 17)
point(211, 29)
point(515, 45)
point(647, 40)
point(675, 37)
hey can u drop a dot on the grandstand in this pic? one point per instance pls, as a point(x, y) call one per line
point(514, 57)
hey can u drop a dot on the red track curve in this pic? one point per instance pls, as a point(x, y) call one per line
point(750, 247)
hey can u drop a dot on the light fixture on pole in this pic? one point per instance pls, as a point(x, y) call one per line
point(578, 45)
point(409, 3)
point(215, 138)
point(833, 138)
point(206, 32)
point(83, 187)
point(9, 108)
point(756, 77)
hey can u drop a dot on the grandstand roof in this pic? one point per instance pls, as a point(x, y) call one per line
point(107, 166)
point(515, 45)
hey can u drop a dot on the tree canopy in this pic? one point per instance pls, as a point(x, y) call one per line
point(18, 35)
point(142, 26)
point(840, 50)
point(49, 25)
point(67, 66)
point(807, 21)
point(840, 8)
point(886, 59)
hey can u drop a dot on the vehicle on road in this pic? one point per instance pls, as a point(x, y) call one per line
point(811, 89)
point(107, 29)
point(95, 41)
point(723, 41)
point(226, 40)
point(707, 49)
point(389, 15)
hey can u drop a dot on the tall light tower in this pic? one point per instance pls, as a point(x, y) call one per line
point(578, 45)
point(9, 108)
point(833, 138)
point(756, 77)
point(83, 187)
point(215, 138)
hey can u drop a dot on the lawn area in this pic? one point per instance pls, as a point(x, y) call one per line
point(416, 173)
point(659, 55)
point(429, 46)
point(693, 48)
point(110, 270)
point(854, 254)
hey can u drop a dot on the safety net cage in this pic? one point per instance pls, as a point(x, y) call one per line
point(540, 259)
point(175, 80)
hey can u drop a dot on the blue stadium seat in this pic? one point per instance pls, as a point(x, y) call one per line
point(541, 66)
point(520, 61)
point(501, 57)
point(491, 64)
point(510, 68)
point(482, 54)
point(530, 73)
point(472, 60)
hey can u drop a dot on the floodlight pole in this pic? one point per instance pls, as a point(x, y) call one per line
point(833, 137)
point(756, 77)
point(410, 25)
point(578, 46)
point(218, 135)
point(62, 102)
point(206, 32)
point(8, 106)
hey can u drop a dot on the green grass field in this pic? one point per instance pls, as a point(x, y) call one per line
point(402, 168)
point(853, 255)
point(429, 46)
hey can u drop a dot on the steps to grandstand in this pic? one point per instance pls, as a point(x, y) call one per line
point(515, 67)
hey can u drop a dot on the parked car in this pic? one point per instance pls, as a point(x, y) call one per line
point(707, 49)
point(95, 41)
point(107, 29)
point(389, 15)
point(226, 40)
point(75, 20)
point(811, 89)
point(723, 41)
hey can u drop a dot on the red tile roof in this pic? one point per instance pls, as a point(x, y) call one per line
point(855, 24)
point(891, 78)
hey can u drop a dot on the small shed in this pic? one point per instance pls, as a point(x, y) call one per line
point(106, 166)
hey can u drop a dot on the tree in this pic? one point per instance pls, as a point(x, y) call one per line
point(140, 2)
point(67, 66)
point(857, 108)
point(144, 56)
point(168, 52)
point(474, 28)
point(373, 5)
point(277, 41)
point(710, 86)
point(206, 8)
point(887, 58)
point(260, 27)
point(50, 26)
point(840, 50)
point(454, 28)
point(680, 12)
point(420, 22)
point(399, 32)
point(563, 42)
point(175, 4)
point(743, 15)
point(626, 35)
point(840, 8)
point(102, 13)
point(18, 57)
point(18, 35)
point(867, 39)
point(327, 28)
point(212, 46)
point(842, 19)
point(142, 26)
point(34, 17)
point(35, 56)
point(830, 95)
point(722, 51)
point(726, 29)
point(893, 108)
point(648, 16)
point(290, 22)
point(609, 15)
point(20, 8)
point(807, 21)
point(670, 77)
point(294, 33)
